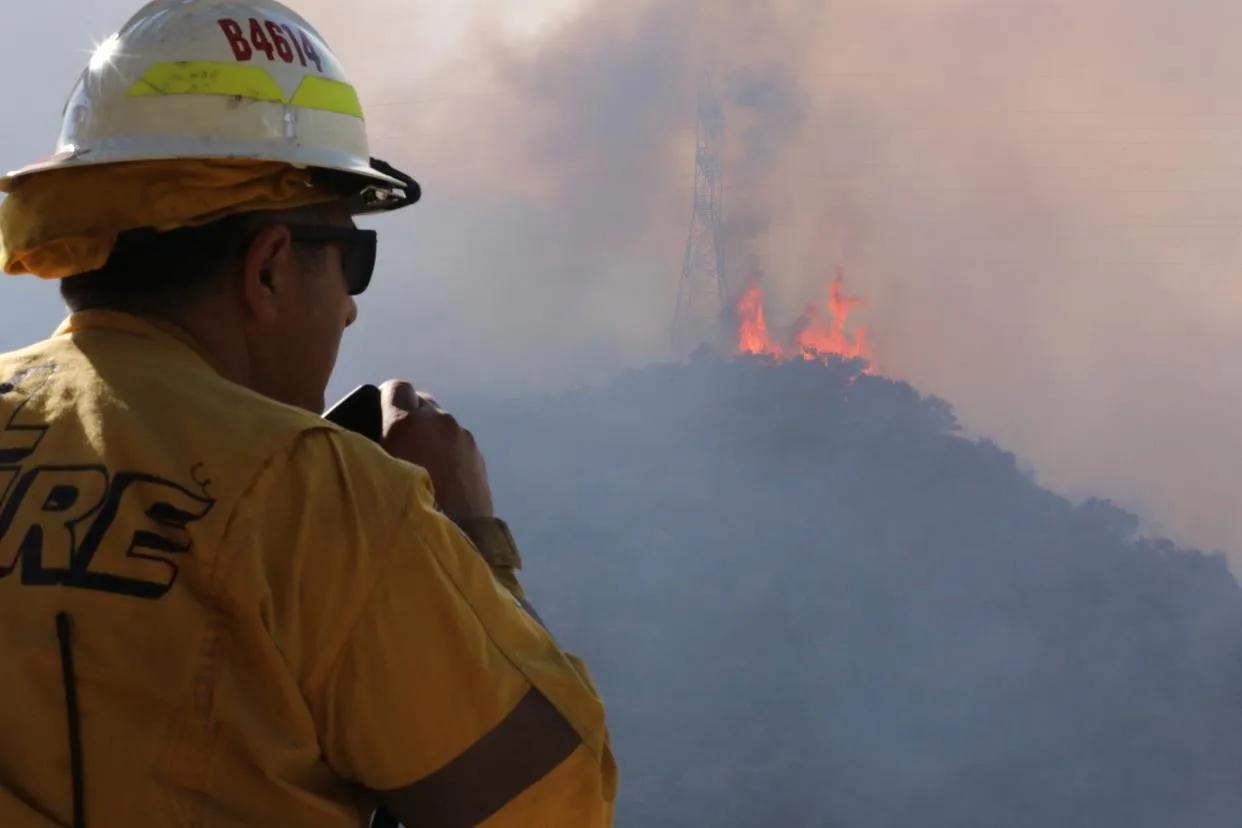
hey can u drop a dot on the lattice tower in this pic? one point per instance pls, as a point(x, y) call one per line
point(702, 291)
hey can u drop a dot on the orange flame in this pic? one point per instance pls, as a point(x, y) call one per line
point(819, 333)
point(752, 327)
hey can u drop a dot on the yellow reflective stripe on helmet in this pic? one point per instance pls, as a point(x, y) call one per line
point(200, 77)
point(328, 95)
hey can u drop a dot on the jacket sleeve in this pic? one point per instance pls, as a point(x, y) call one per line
point(449, 699)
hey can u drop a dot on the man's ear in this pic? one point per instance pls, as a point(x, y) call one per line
point(265, 270)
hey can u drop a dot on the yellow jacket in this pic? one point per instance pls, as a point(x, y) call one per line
point(264, 616)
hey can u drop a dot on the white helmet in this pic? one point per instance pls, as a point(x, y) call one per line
point(221, 79)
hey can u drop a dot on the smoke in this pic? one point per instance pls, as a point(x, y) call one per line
point(1038, 200)
point(574, 158)
point(806, 601)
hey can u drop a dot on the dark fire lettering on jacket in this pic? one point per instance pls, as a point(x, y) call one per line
point(80, 526)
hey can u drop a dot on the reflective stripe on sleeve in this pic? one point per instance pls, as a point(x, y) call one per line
point(531, 741)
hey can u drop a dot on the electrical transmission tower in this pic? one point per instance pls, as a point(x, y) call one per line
point(702, 291)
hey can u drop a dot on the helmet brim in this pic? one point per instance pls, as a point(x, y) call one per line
point(376, 186)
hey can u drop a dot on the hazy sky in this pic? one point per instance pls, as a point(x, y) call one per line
point(1040, 201)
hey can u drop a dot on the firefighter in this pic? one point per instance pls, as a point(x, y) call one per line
point(217, 608)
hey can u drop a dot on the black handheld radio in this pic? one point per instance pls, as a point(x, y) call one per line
point(360, 412)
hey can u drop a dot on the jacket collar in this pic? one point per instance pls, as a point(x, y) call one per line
point(164, 333)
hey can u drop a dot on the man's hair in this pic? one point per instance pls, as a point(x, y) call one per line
point(159, 273)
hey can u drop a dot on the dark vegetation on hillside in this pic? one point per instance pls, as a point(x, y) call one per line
point(809, 602)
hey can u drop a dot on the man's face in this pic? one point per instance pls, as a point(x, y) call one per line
point(298, 346)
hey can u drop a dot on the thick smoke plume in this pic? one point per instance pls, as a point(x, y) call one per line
point(1037, 199)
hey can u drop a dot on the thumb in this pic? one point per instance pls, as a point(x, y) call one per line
point(400, 395)
point(399, 401)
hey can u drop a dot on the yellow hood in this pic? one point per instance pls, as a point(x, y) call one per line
point(63, 222)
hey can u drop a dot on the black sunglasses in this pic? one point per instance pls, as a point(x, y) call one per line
point(357, 250)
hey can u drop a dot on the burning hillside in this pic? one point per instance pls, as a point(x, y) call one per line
point(822, 332)
point(812, 607)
